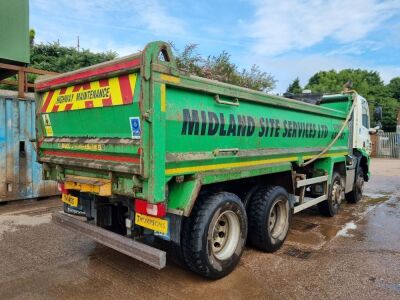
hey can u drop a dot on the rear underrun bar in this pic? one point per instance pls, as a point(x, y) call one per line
point(144, 253)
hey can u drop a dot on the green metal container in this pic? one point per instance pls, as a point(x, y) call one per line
point(14, 31)
point(175, 125)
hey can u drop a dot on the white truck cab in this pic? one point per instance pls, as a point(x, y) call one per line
point(361, 129)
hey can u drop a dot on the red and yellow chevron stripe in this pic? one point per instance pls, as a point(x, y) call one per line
point(104, 92)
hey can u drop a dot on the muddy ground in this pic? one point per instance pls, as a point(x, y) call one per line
point(354, 255)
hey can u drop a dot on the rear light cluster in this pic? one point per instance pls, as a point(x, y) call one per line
point(146, 208)
point(61, 188)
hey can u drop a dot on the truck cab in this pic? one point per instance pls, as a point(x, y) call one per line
point(362, 130)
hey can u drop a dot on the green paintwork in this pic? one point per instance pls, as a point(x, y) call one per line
point(214, 177)
point(328, 164)
point(338, 102)
point(178, 99)
point(14, 31)
point(181, 194)
point(177, 161)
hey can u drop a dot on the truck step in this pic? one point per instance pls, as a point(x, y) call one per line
point(308, 202)
point(302, 183)
point(144, 253)
point(310, 181)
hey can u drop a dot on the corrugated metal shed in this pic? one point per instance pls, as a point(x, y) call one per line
point(20, 174)
point(14, 31)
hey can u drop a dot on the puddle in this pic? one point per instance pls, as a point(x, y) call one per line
point(375, 200)
point(392, 205)
point(301, 225)
point(294, 252)
point(391, 286)
point(374, 195)
point(328, 231)
point(370, 203)
point(344, 231)
point(10, 222)
point(311, 231)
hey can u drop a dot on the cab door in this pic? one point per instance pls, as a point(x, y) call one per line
point(364, 128)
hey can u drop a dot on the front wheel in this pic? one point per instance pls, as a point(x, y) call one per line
point(356, 194)
point(330, 207)
point(214, 235)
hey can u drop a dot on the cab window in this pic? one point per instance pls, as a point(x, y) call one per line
point(365, 118)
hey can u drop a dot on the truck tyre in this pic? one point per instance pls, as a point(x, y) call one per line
point(269, 218)
point(330, 207)
point(214, 236)
point(356, 194)
point(248, 195)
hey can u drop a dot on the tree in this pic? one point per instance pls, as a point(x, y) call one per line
point(295, 87)
point(394, 88)
point(256, 79)
point(390, 107)
point(368, 84)
point(221, 68)
point(189, 60)
point(57, 58)
point(32, 35)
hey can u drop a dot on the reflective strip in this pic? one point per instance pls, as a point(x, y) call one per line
point(170, 78)
point(195, 169)
point(163, 98)
point(228, 165)
point(100, 93)
point(91, 156)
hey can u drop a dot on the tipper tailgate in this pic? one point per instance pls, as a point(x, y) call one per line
point(90, 118)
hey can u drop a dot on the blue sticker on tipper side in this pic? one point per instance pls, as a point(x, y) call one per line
point(135, 127)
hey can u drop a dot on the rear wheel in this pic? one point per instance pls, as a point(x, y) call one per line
point(330, 207)
point(269, 218)
point(356, 194)
point(214, 235)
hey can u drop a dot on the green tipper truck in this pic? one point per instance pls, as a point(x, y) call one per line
point(145, 153)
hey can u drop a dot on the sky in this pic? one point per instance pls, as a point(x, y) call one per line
point(287, 38)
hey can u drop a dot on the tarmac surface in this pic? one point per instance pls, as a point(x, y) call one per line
point(353, 255)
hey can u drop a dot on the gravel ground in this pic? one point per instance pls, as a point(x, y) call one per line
point(353, 255)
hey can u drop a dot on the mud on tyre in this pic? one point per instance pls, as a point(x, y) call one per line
point(330, 207)
point(269, 217)
point(356, 194)
point(213, 237)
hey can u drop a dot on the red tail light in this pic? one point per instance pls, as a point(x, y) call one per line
point(61, 188)
point(146, 208)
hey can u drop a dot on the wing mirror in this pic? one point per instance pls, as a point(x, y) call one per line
point(378, 118)
point(378, 113)
point(374, 130)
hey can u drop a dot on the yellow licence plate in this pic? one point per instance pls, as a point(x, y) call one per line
point(152, 223)
point(71, 200)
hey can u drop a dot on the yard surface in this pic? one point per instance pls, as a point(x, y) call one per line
point(353, 255)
